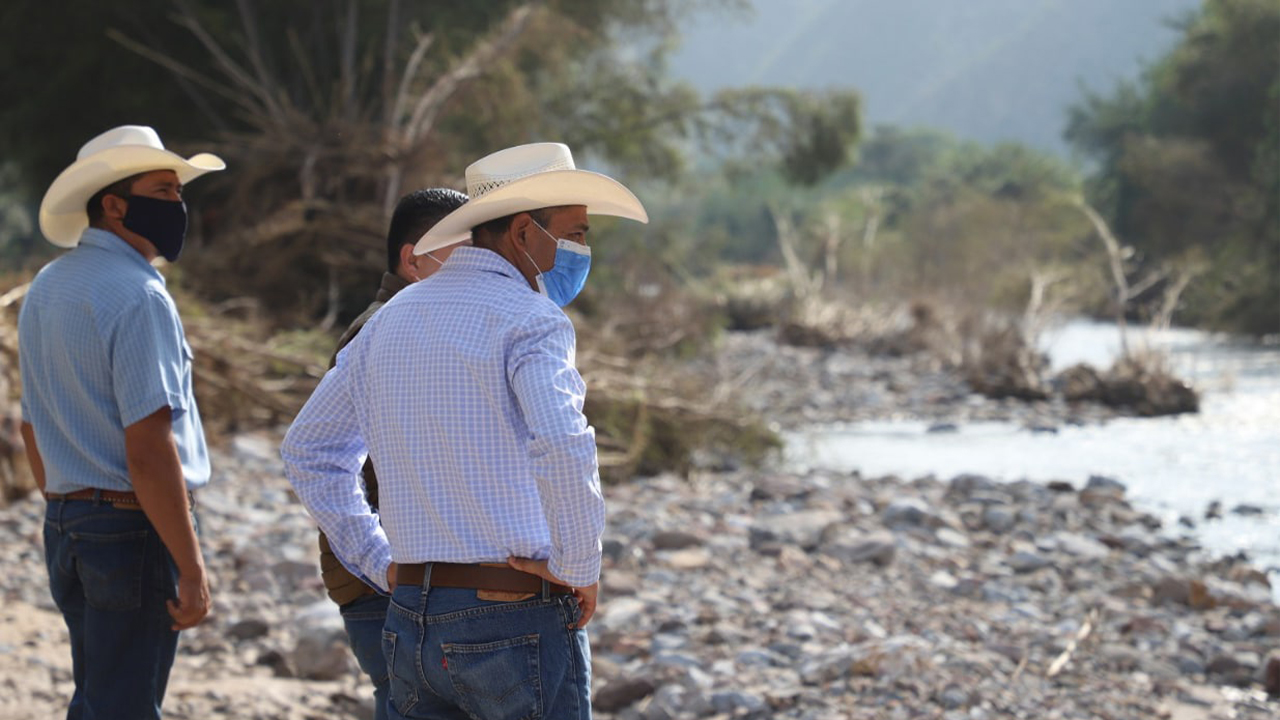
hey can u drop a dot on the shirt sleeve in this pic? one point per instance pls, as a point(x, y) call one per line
point(323, 454)
point(149, 361)
point(562, 447)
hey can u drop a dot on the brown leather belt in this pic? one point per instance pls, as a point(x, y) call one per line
point(110, 496)
point(476, 577)
point(115, 497)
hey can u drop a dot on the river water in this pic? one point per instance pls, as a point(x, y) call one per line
point(1174, 467)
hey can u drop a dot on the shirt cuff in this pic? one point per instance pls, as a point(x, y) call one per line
point(373, 572)
point(575, 571)
point(149, 405)
point(378, 566)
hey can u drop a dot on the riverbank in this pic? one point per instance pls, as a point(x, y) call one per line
point(1212, 475)
point(762, 594)
point(783, 593)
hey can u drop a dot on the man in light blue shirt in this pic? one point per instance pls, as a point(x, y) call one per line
point(110, 422)
point(464, 392)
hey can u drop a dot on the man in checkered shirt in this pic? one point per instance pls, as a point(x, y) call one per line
point(464, 392)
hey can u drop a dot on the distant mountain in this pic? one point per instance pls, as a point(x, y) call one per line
point(989, 70)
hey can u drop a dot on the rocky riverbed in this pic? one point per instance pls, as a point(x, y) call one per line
point(759, 593)
point(797, 386)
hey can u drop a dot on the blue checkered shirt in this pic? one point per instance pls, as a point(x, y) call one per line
point(463, 390)
point(101, 347)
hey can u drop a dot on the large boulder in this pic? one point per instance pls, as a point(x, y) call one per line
point(321, 652)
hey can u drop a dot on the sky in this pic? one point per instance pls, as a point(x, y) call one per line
point(989, 70)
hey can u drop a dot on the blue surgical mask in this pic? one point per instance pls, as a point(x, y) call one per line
point(568, 275)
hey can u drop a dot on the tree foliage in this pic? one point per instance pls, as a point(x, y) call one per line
point(908, 214)
point(327, 111)
point(1188, 161)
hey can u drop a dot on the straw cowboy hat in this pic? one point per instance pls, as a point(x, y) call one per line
point(114, 155)
point(529, 177)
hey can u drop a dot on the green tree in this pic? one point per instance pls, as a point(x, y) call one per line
point(1188, 161)
point(327, 112)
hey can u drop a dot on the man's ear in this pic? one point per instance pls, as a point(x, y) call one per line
point(114, 207)
point(408, 260)
point(520, 227)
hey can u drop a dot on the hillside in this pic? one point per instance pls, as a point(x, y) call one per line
point(989, 70)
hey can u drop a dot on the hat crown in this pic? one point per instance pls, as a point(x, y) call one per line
point(124, 135)
point(500, 168)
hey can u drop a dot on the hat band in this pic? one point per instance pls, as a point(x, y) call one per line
point(482, 186)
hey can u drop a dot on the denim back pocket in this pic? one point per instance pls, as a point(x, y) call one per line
point(498, 680)
point(110, 567)
point(403, 670)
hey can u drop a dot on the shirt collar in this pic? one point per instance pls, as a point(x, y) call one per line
point(113, 243)
point(483, 260)
point(391, 284)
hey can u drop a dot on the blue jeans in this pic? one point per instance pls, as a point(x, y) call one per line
point(453, 656)
point(110, 575)
point(364, 618)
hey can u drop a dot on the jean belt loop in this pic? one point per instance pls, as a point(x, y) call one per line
point(425, 589)
point(546, 589)
point(97, 497)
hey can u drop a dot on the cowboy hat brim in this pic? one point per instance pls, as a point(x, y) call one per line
point(600, 193)
point(62, 212)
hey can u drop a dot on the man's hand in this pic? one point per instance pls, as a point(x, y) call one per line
point(193, 600)
point(587, 596)
point(391, 577)
point(156, 473)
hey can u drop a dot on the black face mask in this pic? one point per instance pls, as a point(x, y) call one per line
point(163, 222)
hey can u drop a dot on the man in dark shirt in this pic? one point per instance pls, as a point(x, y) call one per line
point(363, 609)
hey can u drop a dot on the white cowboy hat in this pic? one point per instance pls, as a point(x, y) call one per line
point(114, 155)
point(529, 177)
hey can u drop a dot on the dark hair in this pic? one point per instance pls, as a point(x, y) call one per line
point(120, 188)
point(415, 214)
point(487, 233)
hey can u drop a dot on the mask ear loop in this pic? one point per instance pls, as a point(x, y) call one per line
point(542, 288)
point(531, 262)
point(526, 252)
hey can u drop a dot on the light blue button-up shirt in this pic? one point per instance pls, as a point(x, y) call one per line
point(463, 390)
point(101, 347)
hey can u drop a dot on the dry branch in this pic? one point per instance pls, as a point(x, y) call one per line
point(14, 295)
point(1086, 627)
point(431, 102)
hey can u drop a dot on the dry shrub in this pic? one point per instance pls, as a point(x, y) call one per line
point(16, 479)
point(831, 323)
point(1139, 382)
point(751, 297)
point(650, 412)
point(999, 361)
point(644, 317)
point(816, 323)
point(920, 328)
point(638, 434)
point(991, 351)
point(247, 374)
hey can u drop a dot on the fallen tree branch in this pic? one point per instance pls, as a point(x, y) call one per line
point(1086, 628)
point(14, 295)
